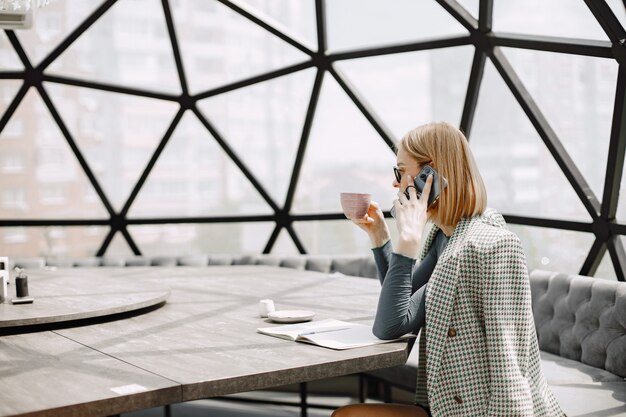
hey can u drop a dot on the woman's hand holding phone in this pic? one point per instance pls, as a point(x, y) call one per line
point(374, 224)
point(411, 216)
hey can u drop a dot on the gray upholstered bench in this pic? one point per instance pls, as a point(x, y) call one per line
point(581, 326)
point(360, 266)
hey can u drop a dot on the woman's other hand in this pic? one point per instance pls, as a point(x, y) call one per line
point(411, 216)
point(374, 224)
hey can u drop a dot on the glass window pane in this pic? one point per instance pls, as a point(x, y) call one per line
point(52, 24)
point(70, 242)
point(606, 270)
point(520, 174)
point(194, 177)
point(8, 90)
point(410, 89)
point(552, 249)
point(576, 95)
point(564, 18)
point(219, 46)
point(332, 237)
point(263, 124)
point(119, 247)
point(344, 154)
point(117, 133)
point(43, 178)
point(8, 57)
point(356, 24)
point(284, 244)
point(190, 239)
point(129, 46)
point(298, 17)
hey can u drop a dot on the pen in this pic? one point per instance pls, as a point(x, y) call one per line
point(323, 331)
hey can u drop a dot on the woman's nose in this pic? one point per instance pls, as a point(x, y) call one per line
point(395, 184)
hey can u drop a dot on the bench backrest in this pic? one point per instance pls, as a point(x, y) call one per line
point(581, 318)
point(355, 265)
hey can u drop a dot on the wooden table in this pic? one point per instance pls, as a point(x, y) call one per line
point(201, 343)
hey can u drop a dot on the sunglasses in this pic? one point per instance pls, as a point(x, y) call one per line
point(397, 173)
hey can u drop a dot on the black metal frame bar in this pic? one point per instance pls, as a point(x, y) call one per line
point(487, 45)
point(75, 82)
point(473, 88)
point(171, 30)
point(254, 80)
point(606, 18)
point(584, 47)
point(400, 48)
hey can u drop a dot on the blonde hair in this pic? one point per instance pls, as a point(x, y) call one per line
point(446, 149)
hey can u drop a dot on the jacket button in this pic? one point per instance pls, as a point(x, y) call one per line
point(458, 399)
point(451, 332)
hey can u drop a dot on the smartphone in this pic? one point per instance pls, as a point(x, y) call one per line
point(420, 182)
point(435, 190)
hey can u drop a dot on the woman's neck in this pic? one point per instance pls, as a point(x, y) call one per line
point(446, 229)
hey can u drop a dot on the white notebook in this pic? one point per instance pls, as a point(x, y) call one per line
point(330, 333)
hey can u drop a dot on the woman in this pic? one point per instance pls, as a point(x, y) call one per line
point(478, 353)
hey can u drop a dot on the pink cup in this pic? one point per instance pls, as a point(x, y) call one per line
point(355, 205)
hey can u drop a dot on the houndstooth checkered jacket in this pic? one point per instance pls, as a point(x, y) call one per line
point(480, 349)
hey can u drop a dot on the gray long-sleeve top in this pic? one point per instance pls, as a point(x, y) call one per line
point(402, 301)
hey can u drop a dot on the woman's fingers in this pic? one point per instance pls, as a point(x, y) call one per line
point(372, 209)
point(411, 190)
point(364, 220)
point(426, 191)
point(369, 218)
point(409, 193)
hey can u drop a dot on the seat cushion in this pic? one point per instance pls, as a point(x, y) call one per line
point(558, 370)
point(594, 399)
point(584, 390)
